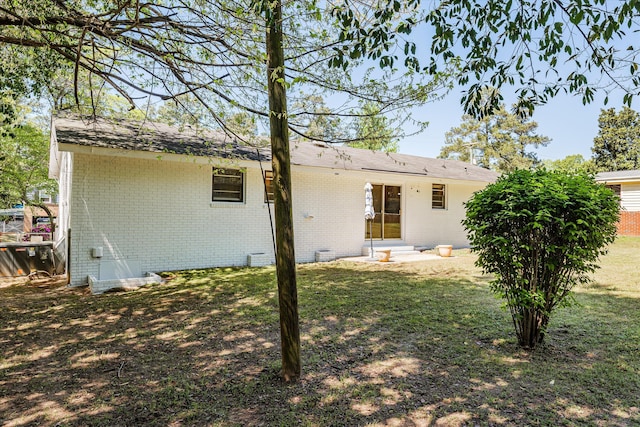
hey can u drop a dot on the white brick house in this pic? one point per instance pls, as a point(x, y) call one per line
point(151, 198)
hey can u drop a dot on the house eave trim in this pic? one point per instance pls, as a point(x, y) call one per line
point(150, 155)
point(625, 180)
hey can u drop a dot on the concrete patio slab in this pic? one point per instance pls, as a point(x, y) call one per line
point(397, 258)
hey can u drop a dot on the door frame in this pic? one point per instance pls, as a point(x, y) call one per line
point(381, 214)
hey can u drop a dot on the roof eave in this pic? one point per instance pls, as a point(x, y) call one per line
point(619, 179)
point(431, 177)
point(146, 155)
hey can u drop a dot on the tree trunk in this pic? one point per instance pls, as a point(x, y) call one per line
point(49, 214)
point(530, 328)
point(25, 201)
point(285, 256)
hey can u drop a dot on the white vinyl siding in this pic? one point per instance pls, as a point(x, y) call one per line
point(630, 197)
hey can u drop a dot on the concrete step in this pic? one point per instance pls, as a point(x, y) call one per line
point(395, 249)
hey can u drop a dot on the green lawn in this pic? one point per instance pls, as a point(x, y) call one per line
point(411, 344)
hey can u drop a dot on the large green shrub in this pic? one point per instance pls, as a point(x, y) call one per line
point(540, 233)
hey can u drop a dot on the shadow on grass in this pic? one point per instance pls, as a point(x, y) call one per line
point(403, 346)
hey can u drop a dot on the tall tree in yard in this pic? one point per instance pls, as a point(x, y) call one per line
point(500, 141)
point(285, 256)
point(373, 131)
point(617, 145)
point(24, 152)
point(226, 56)
point(216, 52)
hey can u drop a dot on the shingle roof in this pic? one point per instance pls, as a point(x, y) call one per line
point(619, 176)
point(309, 154)
point(149, 136)
point(161, 138)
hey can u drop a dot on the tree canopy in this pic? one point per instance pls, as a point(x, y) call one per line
point(573, 163)
point(24, 153)
point(539, 47)
point(500, 141)
point(86, 95)
point(373, 131)
point(313, 115)
point(617, 145)
point(214, 52)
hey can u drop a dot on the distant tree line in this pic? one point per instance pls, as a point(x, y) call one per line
point(503, 142)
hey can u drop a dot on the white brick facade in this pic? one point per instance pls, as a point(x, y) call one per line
point(159, 213)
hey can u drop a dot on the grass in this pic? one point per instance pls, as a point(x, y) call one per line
point(404, 344)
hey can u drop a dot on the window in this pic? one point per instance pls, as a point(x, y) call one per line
point(438, 196)
point(228, 185)
point(44, 197)
point(268, 183)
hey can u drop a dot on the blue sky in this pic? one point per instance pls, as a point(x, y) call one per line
point(570, 125)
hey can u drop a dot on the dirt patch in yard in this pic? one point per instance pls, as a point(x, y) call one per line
point(40, 282)
point(411, 345)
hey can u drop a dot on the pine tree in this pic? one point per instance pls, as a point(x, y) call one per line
point(499, 142)
point(617, 146)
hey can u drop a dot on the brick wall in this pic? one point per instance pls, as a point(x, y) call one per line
point(159, 213)
point(629, 224)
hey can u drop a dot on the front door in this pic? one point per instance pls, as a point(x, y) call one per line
point(386, 204)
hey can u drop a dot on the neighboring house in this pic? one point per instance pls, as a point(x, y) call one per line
point(11, 224)
point(26, 221)
point(626, 184)
point(36, 217)
point(149, 197)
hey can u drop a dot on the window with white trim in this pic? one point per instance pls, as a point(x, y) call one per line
point(438, 196)
point(228, 185)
